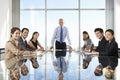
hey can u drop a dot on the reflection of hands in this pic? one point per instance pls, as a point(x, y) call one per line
point(41, 49)
point(70, 49)
point(51, 47)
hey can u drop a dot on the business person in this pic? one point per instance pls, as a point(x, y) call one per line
point(23, 41)
point(34, 43)
point(88, 45)
point(102, 41)
point(12, 49)
point(111, 48)
point(60, 33)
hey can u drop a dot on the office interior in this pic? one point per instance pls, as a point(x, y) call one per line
point(43, 15)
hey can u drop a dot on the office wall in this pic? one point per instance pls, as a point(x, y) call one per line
point(5, 21)
point(117, 20)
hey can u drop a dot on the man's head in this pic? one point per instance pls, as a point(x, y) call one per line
point(98, 71)
point(25, 32)
point(61, 22)
point(99, 33)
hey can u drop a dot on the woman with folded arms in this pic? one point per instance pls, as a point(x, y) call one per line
point(13, 49)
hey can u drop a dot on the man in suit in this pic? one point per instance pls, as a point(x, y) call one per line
point(22, 40)
point(102, 41)
point(60, 33)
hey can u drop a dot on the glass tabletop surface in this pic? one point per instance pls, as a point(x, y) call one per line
point(72, 66)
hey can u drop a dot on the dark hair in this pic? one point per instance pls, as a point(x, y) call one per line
point(25, 29)
point(98, 29)
point(14, 29)
point(24, 74)
point(98, 74)
point(85, 32)
point(110, 30)
point(33, 35)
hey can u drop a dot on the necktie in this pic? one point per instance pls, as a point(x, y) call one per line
point(61, 35)
point(61, 63)
point(25, 42)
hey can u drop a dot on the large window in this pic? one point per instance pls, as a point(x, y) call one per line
point(78, 15)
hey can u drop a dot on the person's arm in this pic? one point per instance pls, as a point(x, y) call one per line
point(111, 50)
point(53, 38)
point(31, 44)
point(15, 50)
point(68, 37)
point(69, 41)
point(40, 46)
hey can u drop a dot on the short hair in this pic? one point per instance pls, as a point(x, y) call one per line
point(14, 29)
point(25, 29)
point(110, 30)
point(98, 74)
point(98, 29)
point(60, 19)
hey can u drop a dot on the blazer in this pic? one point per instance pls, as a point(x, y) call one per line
point(87, 43)
point(108, 61)
point(111, 49)
point(11, 52)
point(101, 45)
point(25, 46)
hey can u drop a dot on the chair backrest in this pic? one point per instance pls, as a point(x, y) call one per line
point(2, 51)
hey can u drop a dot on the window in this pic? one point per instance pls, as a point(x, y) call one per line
point(36, 16)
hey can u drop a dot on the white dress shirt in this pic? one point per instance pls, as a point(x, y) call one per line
point(56, 35)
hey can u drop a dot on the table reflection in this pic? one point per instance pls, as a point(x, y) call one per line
point(72, 66)
point(98, 67)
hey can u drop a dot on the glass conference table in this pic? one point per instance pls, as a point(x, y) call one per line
point(45, 66)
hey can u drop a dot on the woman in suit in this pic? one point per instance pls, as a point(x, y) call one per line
point(112, 46)
point(12, 50)
point(34, 43)
point(111, 51)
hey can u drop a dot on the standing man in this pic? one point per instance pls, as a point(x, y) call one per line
point(60, 33)
point(22, 40)
point(102, 41)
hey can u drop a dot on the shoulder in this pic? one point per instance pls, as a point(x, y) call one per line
point(20, 39)
point(114, 42)
point(10, 42)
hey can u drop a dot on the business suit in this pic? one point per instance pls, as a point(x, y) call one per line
point(12, 50)
point(24, 45)
point(111, 49)
point(101, 45)
point(108, 61)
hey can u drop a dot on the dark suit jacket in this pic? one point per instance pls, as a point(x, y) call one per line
point(111, 49)
point(25, 46)
point(108, 61)
point(101, 45)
